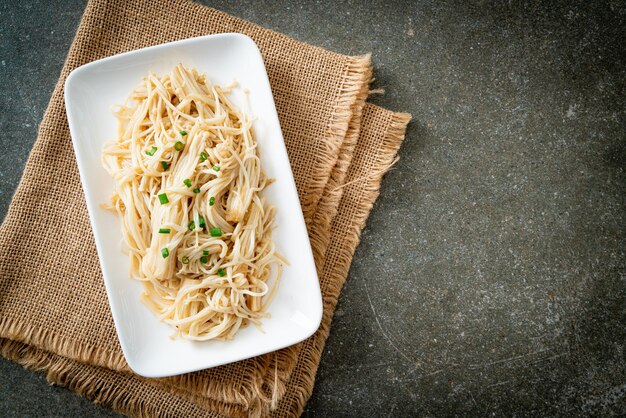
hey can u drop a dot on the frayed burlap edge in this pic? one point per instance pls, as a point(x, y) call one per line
point(58, 370)
point(329, 204)
point(81, 352)
point(358, 72)
point(244, 396)
point(12, 346)
point(300, 386)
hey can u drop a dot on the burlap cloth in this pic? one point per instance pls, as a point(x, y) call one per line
point(54, 314)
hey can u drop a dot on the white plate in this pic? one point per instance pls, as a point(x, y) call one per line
point(90, 92)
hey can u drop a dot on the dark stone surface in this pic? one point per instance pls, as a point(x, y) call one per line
point(491, 275)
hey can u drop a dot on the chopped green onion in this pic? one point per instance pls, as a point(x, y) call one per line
point(185, 260)
point(164, 230)
point(196, 190)
point(205, 252)
point(211, 201)
point(187, 182)
point(201, 222)
point(221, 272)
point(203, 259)
point(203, 156)
point(152, 151)
point(216, 168)
point(163, 198)
point(183, 133)
point(178, 146)
point(191, 225)
point(215, 232)
point(165, 252)
point(165, 165)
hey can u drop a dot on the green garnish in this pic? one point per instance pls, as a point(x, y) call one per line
point(187, 182)
point(164, 230)
point(211, 201)
point(203, 259)
point(216, 168)
point(165, 252)
point(185, 260)
point(201, 222)
point(203, 156)
point(191, 225)
point(215, 232)
point(196, 190)
point(205, 252)
point(152, 151)
point(165, 165)
point(221, 272)
point(163, 198)
point(178, 146)
point(183, 133)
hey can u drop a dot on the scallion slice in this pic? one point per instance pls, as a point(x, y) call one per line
point(216, 168)
point(215, 232)
point(165, 165)
point(178, 146)
point(191, 225)
point(187, 182)
point(201, 222)
point(205, 252)
point(151, 151)
point(183, 133)
point(203, 156)
point(211, 201)
point(165, 252)
point(164, 230)
point(221, 272)
point(204, 259)
point(163, 198)
point(185, 260)
point(196, 190)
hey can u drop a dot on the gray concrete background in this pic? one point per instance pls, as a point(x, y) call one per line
point(491, 275)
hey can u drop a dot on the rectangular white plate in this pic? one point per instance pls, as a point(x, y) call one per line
point(90, 92)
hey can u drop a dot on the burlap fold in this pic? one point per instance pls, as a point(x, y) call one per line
point(332, 139)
